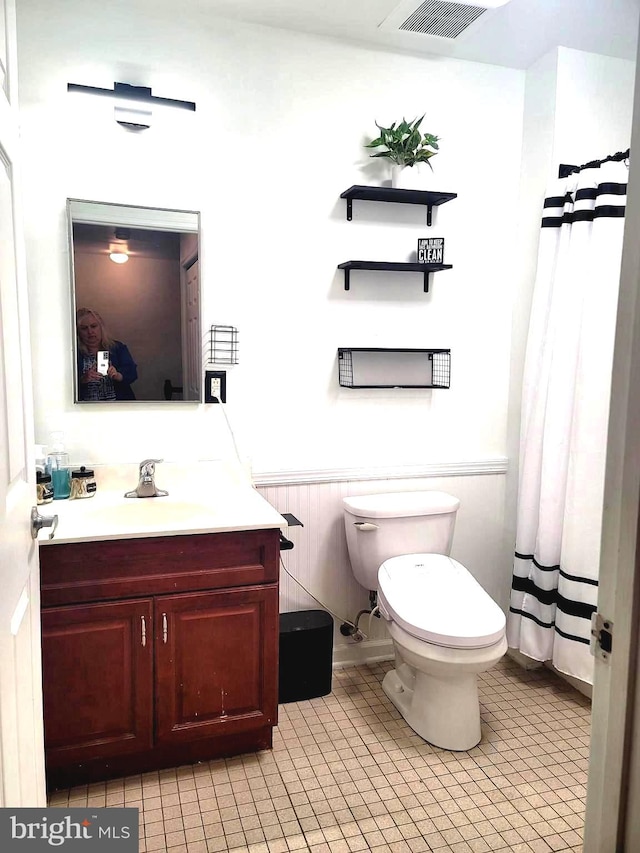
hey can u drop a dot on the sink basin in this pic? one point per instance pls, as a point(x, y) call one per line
point(203, 502)
point(128, 516)
point(153, 509)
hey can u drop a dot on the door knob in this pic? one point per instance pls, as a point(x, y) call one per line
point(39, 521)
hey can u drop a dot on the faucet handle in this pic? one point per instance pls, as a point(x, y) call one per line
point(146, 487)
point(148, 466)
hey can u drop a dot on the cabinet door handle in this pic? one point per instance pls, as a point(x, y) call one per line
point(144, 631)
point(165, 629)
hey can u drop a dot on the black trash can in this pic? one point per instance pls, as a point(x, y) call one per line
point(306, 654)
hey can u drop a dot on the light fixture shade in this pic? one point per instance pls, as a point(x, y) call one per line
point(127, 92)
point(133, 109)
point(133, 116)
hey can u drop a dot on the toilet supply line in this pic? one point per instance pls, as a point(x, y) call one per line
point(357, 635)
point(374, 612)
point(351, 629)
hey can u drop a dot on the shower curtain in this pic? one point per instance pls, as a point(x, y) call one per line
point(565, 405)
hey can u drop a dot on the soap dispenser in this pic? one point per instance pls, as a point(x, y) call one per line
point(58, 461)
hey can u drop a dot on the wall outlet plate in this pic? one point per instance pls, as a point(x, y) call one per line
point(215, 386)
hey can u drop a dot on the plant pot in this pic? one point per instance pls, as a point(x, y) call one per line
point(418, 177)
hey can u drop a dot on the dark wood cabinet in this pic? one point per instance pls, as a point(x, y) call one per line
point(215, 663)
point(98, 688)
point(158, 652)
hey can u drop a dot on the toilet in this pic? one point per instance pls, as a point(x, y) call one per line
point(445, 628)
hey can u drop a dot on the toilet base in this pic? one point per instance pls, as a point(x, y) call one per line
point(435, 688)
point(444, 712)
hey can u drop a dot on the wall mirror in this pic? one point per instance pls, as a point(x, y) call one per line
point(136, 303)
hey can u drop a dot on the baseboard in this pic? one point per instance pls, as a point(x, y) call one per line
point(529, 663)
point(524, 660)
point(374, 651)
point(368, 651)
point(581, 686)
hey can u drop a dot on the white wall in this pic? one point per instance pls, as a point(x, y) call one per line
point(320, 562)
point(277, 136)
point(594, 104)
point(278, 133)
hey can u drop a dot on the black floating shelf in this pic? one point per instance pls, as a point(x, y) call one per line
point(376, 367)
point(426, 269)
point(428, 198)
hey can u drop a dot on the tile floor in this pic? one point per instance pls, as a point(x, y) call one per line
point(347, 774)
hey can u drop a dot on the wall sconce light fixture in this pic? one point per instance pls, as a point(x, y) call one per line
point(134, 103)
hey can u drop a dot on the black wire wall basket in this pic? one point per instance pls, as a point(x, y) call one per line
point(376, 367)
point(223, 345)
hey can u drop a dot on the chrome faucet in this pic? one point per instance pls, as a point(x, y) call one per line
point(146, 484)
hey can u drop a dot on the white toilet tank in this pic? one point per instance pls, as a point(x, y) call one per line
point(387, 525)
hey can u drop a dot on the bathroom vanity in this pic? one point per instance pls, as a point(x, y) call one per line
point(158, 650)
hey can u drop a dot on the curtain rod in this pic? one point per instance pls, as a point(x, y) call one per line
point(564, 170)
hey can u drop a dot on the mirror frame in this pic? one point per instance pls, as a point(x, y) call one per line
point(82, 211)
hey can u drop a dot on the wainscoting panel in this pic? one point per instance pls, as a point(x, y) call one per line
point(319, 559)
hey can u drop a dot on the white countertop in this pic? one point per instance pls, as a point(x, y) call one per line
point(204, 497)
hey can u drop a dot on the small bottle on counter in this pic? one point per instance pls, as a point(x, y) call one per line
point(43, 487)
point(58, 463)
point(83, 483)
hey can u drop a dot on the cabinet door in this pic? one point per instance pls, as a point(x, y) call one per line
point(97, 680)
point(216, 663)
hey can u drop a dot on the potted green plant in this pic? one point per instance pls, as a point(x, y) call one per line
point(407, 148)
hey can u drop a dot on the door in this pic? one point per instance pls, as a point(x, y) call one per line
point(97, 662)
point(191, 343)
point(613, 793)
point(22, 781)
point(216, 663)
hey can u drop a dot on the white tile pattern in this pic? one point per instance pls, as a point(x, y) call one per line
point(347, 774)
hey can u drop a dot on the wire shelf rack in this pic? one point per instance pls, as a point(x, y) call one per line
point(374, 367)
point(223, 345)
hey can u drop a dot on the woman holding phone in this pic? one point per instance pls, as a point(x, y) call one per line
point(106, 369)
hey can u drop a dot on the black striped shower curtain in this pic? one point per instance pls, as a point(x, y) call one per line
point(565, 406)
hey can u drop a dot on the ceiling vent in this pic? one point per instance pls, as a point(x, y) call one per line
point(442, 19)
point(439, 18)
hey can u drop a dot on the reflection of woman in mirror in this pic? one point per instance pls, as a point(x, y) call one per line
point(121, 371)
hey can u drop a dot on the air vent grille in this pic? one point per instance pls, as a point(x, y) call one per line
point(439, 18)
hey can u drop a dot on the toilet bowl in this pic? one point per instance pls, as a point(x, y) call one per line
point(445, 628)
point(445, 631)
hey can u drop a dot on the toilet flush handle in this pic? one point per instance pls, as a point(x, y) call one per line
point(365, 526)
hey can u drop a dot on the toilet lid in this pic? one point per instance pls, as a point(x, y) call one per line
point(436, 599)
point(401, 504)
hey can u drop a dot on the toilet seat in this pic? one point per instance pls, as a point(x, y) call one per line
point(435, 599)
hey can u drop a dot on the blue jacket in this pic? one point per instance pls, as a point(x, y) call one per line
point(121, 359)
